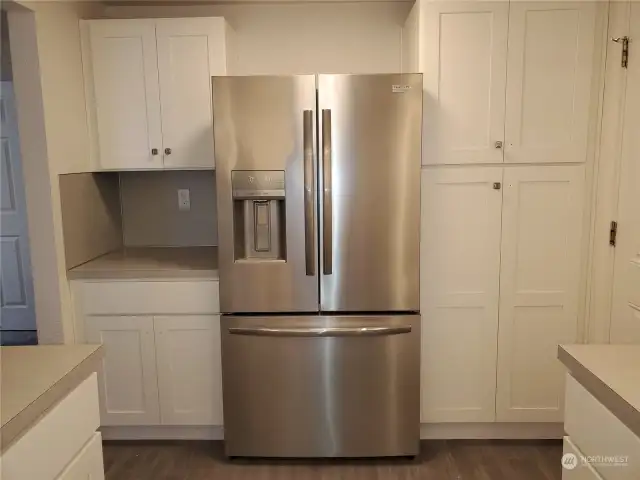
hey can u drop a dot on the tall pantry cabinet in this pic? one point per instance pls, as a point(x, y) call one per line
point(511, 92)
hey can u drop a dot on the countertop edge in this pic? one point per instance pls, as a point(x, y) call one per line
point(15, 428)
point(623, 410)
point(142, 274)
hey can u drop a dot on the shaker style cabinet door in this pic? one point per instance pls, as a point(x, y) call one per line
point(190, 52)
point(464, 60)
point(128, 383)
point(189, 369)
point(124, 73)
point(542, 223)
point(460, 267)
point(550, 77)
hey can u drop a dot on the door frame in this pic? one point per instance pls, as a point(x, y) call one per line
point(606, 184)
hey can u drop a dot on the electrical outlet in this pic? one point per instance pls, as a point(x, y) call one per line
point(184, 200)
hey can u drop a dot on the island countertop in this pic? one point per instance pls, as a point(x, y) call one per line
point(611, 373)
point(35, 378)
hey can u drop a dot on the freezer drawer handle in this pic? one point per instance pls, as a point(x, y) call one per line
point(309, 193)
point(320, 332)
point(327, 206)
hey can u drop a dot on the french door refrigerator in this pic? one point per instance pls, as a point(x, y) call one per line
point(318, 199)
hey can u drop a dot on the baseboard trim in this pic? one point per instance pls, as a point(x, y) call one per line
point(491, 431)
point(163, 432)
point(428, 431)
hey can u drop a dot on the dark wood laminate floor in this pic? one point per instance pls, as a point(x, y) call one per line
point(438, 460)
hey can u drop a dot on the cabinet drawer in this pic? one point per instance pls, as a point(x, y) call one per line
point(573, 468)
point(599, 433)
point(148, 298)
point(88, 463)
point(46, 448)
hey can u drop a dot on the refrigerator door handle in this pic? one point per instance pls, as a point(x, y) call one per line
point(309, 192)
point(320, 332)
point(327, 213)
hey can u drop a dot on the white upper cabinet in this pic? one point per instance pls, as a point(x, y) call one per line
point(541, 256)
point(190, 51)
point(506, 81)
point(464, 57)
point(126, 94)
point(148, 85)
point(460, 268)
point(549, 81)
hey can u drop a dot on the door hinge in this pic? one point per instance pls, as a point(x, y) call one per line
point(613, 234)
point(625, 50)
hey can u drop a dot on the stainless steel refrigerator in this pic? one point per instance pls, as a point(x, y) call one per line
point(318, 192)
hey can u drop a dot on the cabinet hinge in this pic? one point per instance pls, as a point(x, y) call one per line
point(613, 234)
point(625, 50)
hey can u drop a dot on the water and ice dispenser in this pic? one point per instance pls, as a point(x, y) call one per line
point(259, 215)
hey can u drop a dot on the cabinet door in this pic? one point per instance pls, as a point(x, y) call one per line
point(189, 369)
point(460, 265)
point(127, 99)
point(128, 383)
point(625, 313)
point(88, 463)
point(464, 61)
point(190, 52)
point(549, 81)
point(542, 222)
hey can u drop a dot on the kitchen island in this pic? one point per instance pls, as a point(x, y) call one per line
point(602, 413)
point(49, 412)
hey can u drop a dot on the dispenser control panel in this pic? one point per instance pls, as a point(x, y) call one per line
point(258, 183)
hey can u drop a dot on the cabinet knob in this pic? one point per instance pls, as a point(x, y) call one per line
point(497, 185)
point(154, 151)
point(498, 144)
point(167, 151)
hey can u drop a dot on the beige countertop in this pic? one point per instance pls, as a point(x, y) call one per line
point(151, 262)
point(611, 373)
point(34, 378)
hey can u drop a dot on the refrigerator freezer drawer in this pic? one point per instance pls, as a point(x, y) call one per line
point(321, 386)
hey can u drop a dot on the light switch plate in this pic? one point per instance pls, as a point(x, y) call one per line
point(184, 200)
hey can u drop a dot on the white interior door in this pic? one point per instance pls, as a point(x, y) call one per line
point(128, 381)
point(460, 266)
point(464, 60)
point(189, 369)
point(16, 284)
point(549, 81)
point(127, 97)
point(190, 52)
point(542, 219)
point(625, 313)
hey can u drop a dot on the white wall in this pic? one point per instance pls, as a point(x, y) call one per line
point(47, 71)
point(272, 39)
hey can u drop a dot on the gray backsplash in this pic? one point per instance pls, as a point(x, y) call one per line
point(150, 215)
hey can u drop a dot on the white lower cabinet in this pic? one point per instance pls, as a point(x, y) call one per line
point(541, 252)
point(189, 369)
point(128, 382)
point(162, 363)
point(573, 468)
point(500, 281)
point(88, 463)
point(460, 282)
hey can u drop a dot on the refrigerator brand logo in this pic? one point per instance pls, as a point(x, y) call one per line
point(400, 88)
